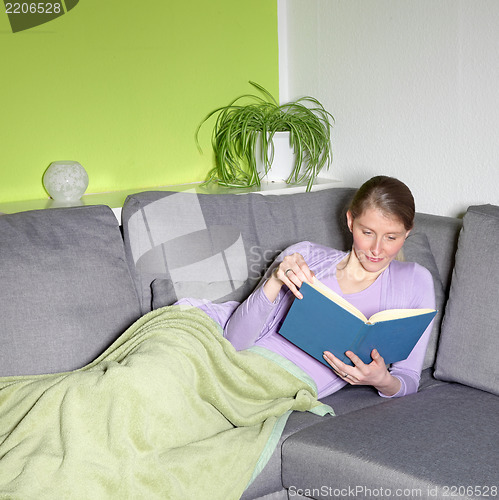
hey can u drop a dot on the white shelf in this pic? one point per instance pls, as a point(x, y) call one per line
point(116, 199)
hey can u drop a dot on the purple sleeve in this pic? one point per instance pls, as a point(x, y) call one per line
point(256, 316)
point(410, 284)
point(408, 371)
point(249, 320)
point(218, 312)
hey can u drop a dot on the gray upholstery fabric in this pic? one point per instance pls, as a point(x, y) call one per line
point(164, 291)
point(344, 401)
point(470, 335)
point(417, 249)
point(347, 400)
point(269, 480)
point(439, 437)
point(216, 247)
point(276, 495)
point(222, 243)
point(65, 289)
point(189, 237)
point(442, 233)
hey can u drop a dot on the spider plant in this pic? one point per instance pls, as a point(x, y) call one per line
point(239, 125)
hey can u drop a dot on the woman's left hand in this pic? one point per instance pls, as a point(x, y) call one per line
point(374, 373)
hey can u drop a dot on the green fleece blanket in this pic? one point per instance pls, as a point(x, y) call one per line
point(169, 411)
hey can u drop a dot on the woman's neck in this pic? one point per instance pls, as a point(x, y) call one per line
point(351, 275)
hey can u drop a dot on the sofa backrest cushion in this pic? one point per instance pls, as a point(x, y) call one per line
point(221, 244)
point(469, 341)
point(417, 249)
point(442, 233)
point(66, 292)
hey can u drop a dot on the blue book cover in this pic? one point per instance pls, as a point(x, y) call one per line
point(324, 321)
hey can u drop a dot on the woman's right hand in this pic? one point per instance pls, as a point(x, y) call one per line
point(292, 272)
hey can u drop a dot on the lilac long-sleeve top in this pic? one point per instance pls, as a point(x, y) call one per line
point(401, 285)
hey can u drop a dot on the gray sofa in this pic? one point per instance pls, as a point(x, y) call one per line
point(71, 282)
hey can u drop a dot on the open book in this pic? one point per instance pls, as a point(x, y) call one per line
point(324, 321)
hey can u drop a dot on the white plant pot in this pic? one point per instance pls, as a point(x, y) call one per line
point(283, 162)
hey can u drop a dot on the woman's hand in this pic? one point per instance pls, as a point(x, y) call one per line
point(374, 373)
point(292, 272)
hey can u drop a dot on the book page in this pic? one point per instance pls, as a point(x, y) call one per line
point(338, 299)
point(386, 315)
point(397, 314)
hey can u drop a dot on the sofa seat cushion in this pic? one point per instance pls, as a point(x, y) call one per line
point(469, 342)
point(348, 399)
point(66, 290)
point(269, 480)
point(418, 445)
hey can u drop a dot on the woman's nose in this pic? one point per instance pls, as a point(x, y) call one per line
point(376, 247)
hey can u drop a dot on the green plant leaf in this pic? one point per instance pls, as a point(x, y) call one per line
point(240, 123)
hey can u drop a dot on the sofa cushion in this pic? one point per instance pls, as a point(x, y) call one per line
point(470, 334)
point(417, 249)
point(420, 445)
point(165, 292)
point(442, 233)
point(348, 399)
point(188, 237)
point(66, 290)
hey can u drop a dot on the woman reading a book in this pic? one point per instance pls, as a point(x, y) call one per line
point(380, 218)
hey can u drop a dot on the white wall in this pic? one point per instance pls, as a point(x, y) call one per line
point(414, 88)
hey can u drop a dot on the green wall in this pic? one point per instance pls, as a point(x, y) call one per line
point(121, 87)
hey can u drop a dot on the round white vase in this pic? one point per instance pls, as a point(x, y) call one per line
point(65, 181)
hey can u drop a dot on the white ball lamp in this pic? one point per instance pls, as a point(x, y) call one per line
point(65, 181)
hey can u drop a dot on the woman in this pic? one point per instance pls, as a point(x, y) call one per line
point(380, 218)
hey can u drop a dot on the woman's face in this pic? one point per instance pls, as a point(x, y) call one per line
point(377, 239)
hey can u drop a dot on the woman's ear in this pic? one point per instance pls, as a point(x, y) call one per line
point(350, 220)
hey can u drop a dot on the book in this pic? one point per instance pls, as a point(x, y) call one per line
point(324, 321)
